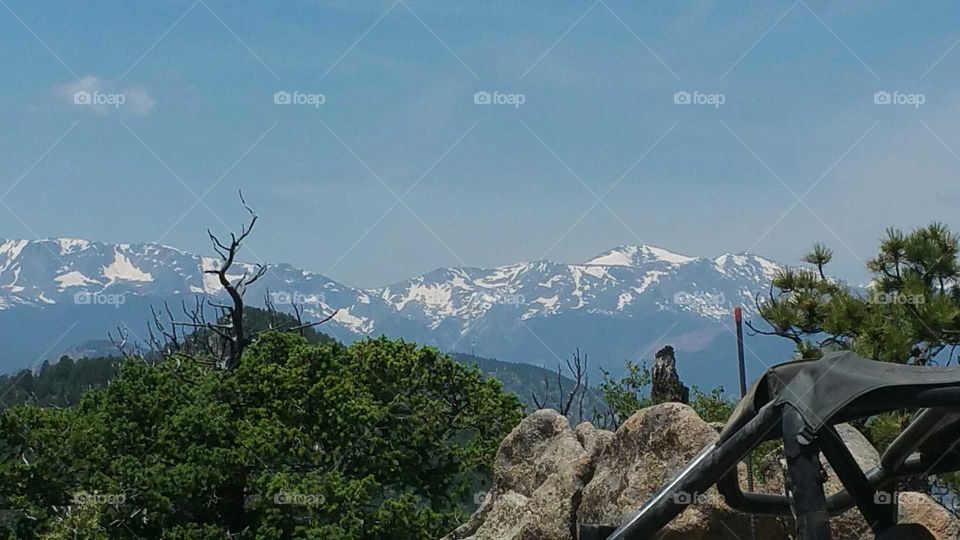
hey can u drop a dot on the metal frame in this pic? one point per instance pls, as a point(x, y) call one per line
point(937, 424)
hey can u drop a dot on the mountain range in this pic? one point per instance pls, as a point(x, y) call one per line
point(57, 295)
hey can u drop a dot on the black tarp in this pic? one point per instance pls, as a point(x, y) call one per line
point(819, 389)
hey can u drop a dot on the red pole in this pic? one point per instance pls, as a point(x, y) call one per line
point(738, 318)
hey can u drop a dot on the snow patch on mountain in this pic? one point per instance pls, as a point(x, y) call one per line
point(624, 300)
point(11, 249)
point(74, 279)
point(121, 269)
point(636, 255)
point(430, 295)
point(359, 325)
point(649, 279)
point(745, 264)
point(70, 245)
point(211, 282)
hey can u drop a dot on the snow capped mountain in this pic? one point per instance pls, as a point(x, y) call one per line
point(627, 280)
point(637, 255)
point(629, 289)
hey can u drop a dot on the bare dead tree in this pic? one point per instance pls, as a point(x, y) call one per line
point(121, 341)
point(231, 330)
point(603, 417)
point(273, 316)
point(210, 332)
point(276, 323)
point(577, 369)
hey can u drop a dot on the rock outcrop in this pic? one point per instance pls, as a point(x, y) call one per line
point(645, 452)
point(665, 385)
point(921, 509)
point(549, 478)
point(540, 470)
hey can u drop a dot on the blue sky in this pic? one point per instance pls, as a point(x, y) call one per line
point(480, 185)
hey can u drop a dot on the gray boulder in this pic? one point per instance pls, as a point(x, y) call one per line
point(549, 478)
point(646, 452)
point(539, 471)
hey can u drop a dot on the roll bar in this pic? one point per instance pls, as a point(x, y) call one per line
point(939, 421)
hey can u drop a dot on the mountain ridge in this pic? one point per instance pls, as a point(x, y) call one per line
point(521, 312)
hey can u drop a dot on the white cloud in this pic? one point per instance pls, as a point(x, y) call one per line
point(139, 101)
point(94, 94)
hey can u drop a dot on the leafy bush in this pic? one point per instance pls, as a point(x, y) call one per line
point(381, 439)
point(629, 394)
point(712, 407)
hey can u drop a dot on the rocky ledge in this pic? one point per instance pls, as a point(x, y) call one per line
point(549, 478)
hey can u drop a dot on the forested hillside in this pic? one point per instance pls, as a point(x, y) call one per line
point(61, 383)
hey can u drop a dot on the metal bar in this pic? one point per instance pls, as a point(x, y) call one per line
point(703, 472)
point(805, 482)
point(927, 423)
point(879, 513)
point(738, 318)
